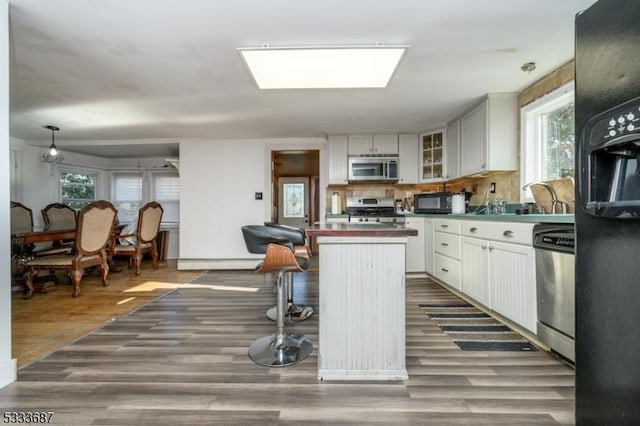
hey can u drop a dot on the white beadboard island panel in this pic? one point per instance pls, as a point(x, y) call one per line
point(362, 308)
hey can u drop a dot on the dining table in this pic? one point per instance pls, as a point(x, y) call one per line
point(23, 245)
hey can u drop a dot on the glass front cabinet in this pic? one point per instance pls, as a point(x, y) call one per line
point(432, 156)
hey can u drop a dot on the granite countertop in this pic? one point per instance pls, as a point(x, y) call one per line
point(359, 230)
point(509, 217)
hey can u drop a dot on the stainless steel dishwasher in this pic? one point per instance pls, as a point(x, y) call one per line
point(555, 282)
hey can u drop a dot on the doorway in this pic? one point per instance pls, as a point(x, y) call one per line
point(295, 187)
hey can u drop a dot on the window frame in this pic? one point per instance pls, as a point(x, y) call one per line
point(80, 171)
point(530, 134)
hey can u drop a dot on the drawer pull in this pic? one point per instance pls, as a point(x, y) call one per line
point(473, 229)
point(444, 244)
point(508, 234)
point(444, 269)
point(444, 226)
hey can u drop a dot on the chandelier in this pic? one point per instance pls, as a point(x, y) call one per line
point(52, 155)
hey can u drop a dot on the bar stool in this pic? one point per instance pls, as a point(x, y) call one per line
point(279, 349)
point(295, 312)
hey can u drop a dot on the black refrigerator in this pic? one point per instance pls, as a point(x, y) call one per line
point(607, 108)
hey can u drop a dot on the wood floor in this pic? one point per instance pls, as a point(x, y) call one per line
point(48, 321)
point(182, 359)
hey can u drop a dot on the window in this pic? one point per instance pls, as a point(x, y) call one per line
point(77, 189)
point(294, 200)
point(126, 195)
point(548, 138)
point(166, 191)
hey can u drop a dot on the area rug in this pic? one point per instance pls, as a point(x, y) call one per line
point(474, 330)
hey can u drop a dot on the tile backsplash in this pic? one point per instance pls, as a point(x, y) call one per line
point(507, 188)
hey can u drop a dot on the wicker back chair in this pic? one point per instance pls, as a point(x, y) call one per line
point(93, 230)
point(21, 218)
point(149, 218)
point(59, 216)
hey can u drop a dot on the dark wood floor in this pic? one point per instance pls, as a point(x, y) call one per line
point(182, 359)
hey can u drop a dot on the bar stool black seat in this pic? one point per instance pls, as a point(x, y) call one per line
point(279, 349)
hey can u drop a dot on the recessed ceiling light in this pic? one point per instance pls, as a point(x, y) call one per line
point(322, 67)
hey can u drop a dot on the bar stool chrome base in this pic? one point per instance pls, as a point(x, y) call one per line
point(290, 349)
point(295, 313)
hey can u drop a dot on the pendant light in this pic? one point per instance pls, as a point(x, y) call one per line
point(52, 155)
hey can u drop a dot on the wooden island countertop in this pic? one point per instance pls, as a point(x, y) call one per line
point(359, 230)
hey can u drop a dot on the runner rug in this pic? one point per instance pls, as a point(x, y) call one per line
point(473, 330)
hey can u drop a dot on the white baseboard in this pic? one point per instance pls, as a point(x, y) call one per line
point(362, 375)
point(8, 372)
point(203, 264)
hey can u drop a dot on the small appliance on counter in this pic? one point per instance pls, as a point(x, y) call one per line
point(433, 203)
point(373, 210)
point(458, 204)
point(336, 203)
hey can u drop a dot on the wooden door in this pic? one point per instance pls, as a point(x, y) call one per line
point(293, 201)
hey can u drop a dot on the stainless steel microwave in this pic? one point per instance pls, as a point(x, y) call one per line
point(373, 169)
point(432, 202)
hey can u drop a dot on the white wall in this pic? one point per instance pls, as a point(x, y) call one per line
point(8, 368)
point(218, 180)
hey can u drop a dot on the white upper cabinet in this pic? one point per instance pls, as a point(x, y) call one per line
point(409, 146)
point(373, 144)
point(432, 156)
point(337, 154)
point(452, 151)
point(385, 144)
point(488, 135)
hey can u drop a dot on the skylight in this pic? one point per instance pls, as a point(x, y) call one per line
point(323, 67)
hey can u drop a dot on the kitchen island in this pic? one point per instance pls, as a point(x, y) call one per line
point(361, 301)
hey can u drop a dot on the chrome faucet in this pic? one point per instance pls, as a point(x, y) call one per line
point(564, 206)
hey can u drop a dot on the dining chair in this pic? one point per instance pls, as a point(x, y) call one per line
point(21, 222)
point(21, 218)
point(93, 230)
point(135, 245)
point(59, 216)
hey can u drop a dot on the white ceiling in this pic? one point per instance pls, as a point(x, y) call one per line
point(161, 71)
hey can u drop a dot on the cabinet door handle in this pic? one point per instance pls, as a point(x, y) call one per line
point(490, 248)
point(473, 229)
point(484, 247)
point(508, 234)
point(444, 269)
point(444, 244)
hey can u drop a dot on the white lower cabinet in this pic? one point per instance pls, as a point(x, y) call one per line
point(428, 246)
point(513, 284)
point(500, 275)
point(447, 270)
point(446, 251)
point(475, 275)
point(415, 257)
